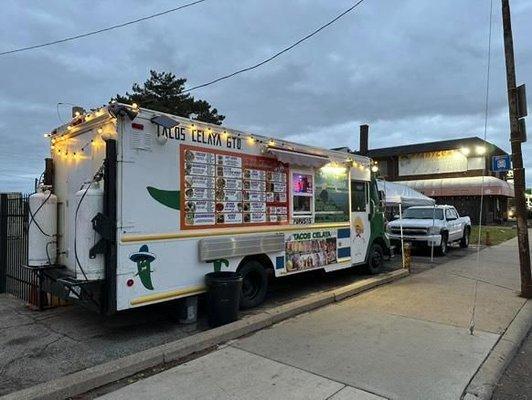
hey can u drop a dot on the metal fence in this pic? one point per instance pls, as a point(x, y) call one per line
point(15, 279)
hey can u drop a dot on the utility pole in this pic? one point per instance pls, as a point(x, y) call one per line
point(517, 158)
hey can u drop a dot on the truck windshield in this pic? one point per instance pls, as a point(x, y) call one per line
point(423, 213)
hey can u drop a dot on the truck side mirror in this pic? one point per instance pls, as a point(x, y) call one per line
point(382, 198)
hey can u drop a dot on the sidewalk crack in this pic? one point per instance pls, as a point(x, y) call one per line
point(335, 393)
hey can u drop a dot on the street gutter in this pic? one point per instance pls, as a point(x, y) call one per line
point(103, 374)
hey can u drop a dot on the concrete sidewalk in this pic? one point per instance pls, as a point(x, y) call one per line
point(406, 340)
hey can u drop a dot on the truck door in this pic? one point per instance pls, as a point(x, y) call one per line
point(360, 226)
point(453, 223)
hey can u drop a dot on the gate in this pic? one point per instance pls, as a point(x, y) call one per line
point(14, 278)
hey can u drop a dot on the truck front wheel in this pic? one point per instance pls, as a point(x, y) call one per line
point(375, 259)
point(254, 284)
point(442, 250)
point(464, 242)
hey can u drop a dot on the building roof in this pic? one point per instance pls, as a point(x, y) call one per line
point(435, 146)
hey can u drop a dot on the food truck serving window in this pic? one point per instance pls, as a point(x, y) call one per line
point(331, 199)
point(358, 196)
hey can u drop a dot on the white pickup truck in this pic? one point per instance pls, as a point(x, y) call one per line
point(431, 226)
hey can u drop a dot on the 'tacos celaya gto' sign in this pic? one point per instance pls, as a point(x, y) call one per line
point(200, 136)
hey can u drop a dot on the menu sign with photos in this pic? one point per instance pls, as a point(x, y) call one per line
point(309, 250)
point(221, 189)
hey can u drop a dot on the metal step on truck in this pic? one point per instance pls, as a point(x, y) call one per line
point(136, 206)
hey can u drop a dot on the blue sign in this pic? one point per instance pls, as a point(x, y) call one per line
point(501, 163)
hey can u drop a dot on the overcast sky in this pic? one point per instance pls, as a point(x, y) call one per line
point(415, 70)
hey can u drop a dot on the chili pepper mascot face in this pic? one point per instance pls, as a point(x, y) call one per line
point(144, 258)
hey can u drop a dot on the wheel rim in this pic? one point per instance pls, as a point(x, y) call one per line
point(250, 285)
point(444, 245)
point(467, 238)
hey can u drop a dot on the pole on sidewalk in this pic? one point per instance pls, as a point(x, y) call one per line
point(517, 157)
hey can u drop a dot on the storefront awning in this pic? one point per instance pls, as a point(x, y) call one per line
point(294, 157)
point(466, 186)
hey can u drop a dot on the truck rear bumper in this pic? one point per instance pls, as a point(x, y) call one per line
point(421, 240)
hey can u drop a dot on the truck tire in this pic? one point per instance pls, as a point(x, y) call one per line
point(375, 263)
point(254, 284)
point(444, 245)
point(464, 242)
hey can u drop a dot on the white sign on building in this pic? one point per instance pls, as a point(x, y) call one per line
point(439, 162)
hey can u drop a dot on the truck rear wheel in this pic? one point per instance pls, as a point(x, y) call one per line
point(442, 249)
point(375, 259)
point(464, 242)
point(254, 284)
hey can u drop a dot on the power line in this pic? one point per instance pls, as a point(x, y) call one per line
point(83, 35)
point(286, 49)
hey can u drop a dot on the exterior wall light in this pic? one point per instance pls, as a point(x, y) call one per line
point(374, 168)
point(480, 150)
point(465, 151)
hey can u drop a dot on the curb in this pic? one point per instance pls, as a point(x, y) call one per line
point(99, 375)
point(486, 378)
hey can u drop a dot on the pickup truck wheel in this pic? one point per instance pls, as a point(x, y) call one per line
point(442, 249)
point(254, 284)
point(375, 259)
point(464, 242)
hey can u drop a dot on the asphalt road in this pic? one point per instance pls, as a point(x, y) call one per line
point(516, 382)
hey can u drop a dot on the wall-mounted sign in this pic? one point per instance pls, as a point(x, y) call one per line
point(501, 163)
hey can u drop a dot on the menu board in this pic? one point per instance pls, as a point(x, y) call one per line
point(220, 189)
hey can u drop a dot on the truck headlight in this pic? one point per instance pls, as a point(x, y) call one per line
point(433, 230)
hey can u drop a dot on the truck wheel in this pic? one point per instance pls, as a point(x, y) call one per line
point(464, 242)
point(254, 284)
point(442, 249)
point(375, 259)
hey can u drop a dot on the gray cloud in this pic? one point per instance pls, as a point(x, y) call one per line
point(415, 71)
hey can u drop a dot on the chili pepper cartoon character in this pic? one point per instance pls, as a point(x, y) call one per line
point(144, 258)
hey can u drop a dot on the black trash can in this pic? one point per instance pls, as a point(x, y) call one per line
point(223, 297)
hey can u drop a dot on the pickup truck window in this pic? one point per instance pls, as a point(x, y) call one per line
point(450, 214)
point(423, 213)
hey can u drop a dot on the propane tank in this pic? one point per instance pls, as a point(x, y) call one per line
point(42, 228)
point(86, 237)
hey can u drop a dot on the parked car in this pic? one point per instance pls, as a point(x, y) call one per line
point(431, 226)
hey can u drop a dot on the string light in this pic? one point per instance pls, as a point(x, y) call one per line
point(271, 142)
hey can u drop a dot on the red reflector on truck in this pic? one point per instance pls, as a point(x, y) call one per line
point(137, 126)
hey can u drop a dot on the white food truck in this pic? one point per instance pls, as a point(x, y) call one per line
point(136, 206)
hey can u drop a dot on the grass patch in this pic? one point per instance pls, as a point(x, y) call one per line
point(497, 234)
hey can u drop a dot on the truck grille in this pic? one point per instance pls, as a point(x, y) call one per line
point(409, 231)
